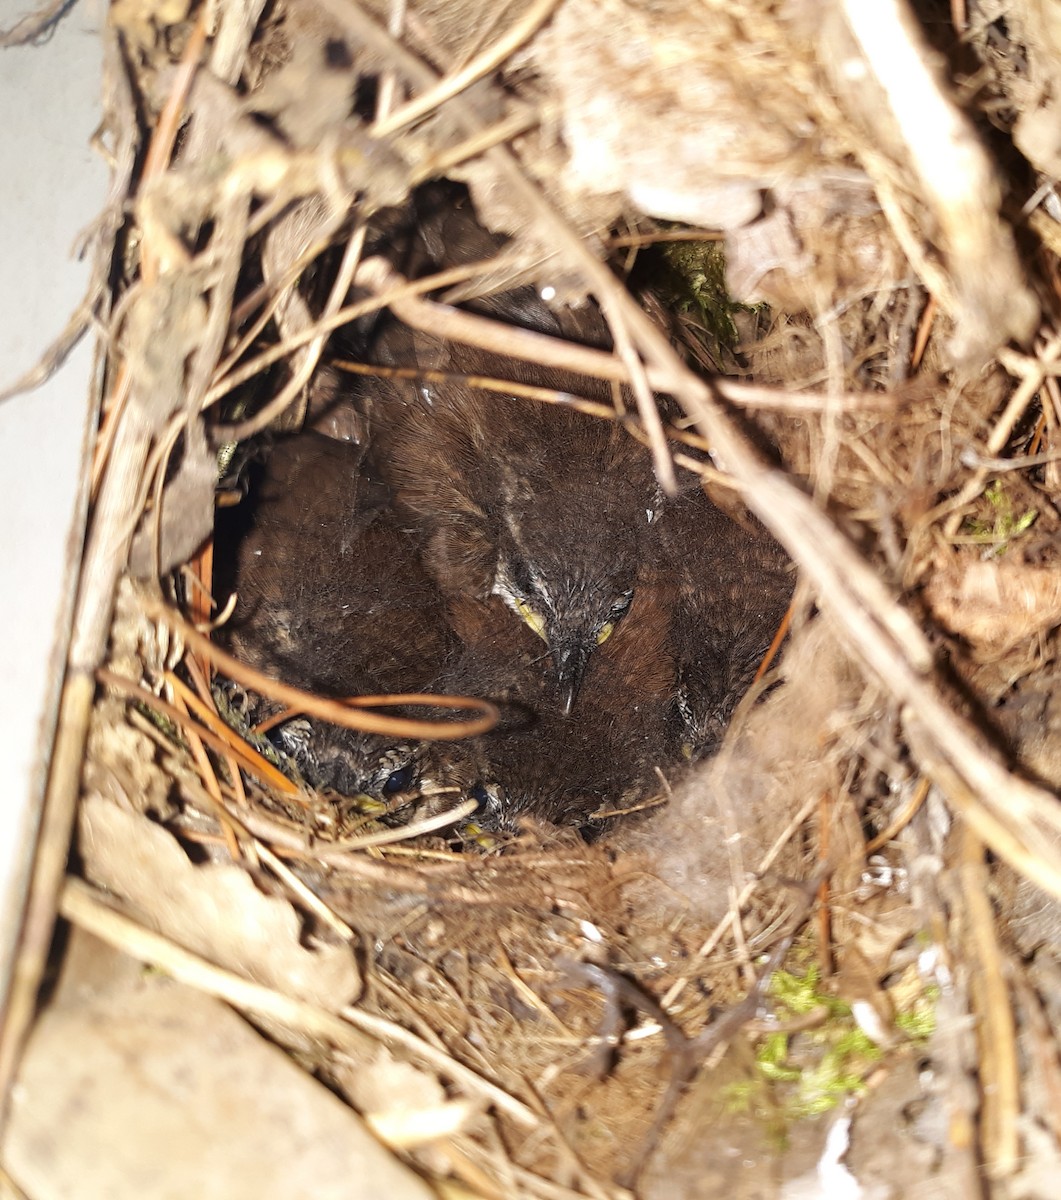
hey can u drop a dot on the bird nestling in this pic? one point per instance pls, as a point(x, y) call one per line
point(487, 543)
point(568, 770)
point(535, 503)
point(331, 597)
point(730, 585)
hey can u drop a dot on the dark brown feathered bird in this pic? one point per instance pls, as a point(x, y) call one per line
point(537, 504)
point(332, 598)
point(731, 584)
point(570, 769)
point(501, 661)
point(540, 506)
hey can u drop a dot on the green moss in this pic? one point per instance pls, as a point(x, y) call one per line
point(772, 1059)
point(1003, 525)
point(801, 994)
point(693, 280)
point(919, 1021)
point(809, 1072)
point(168, 728)
point(802, 1074)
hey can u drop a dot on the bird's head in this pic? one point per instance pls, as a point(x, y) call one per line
point(383, 775)
point(362, 766)
point(569, 584)
point(702, 718)
point(716, 669)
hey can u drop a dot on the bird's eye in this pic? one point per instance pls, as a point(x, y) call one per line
point(483, 798)
point(531, 618)
point(398, 781)
point(620, 606)
point(614, 613)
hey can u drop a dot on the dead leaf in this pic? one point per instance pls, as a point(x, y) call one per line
point(215, 911)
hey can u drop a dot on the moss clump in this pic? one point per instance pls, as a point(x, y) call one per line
point(808, 1072)
point(918, 1021)
point(1002, 524)
point(824, 1056)
point(693, 280)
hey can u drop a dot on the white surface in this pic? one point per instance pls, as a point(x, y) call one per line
point(51, 187)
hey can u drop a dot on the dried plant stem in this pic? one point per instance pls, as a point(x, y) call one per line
point(503, 131)
point(113, 408)
point(207, 773)
point(924, 329)
point(906, 815)
point(164, 135)
point(304, 894)
point(387, 837)
point(454, 324)
point(310, 355)
point(34, 27)
point(510, 387)
point(481, 65)
point(249, 759)
point(1017, 820)
point(776, 641)
point(59, 350)
point(349, 712)
point(996, 1029)
point(958, 179)
point(203, 705)
point(227, 383)
point(1033, 372)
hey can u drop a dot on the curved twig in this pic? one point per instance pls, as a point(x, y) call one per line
point(347, 713)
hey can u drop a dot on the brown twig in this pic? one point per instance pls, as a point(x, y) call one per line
point(529, 391)
point(310, 354)
point(454, 324)
point(182, 697)
point(247, 757)
point(347, 713)
point(202, 705)
point(904, 817)
point(238, 376)
point(996, 1029)
point(447, 87)
point(776, 642)
point(923, 330)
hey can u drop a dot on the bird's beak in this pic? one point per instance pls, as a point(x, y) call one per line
point(571, 663)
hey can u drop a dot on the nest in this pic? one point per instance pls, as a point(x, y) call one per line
point(844, 918)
